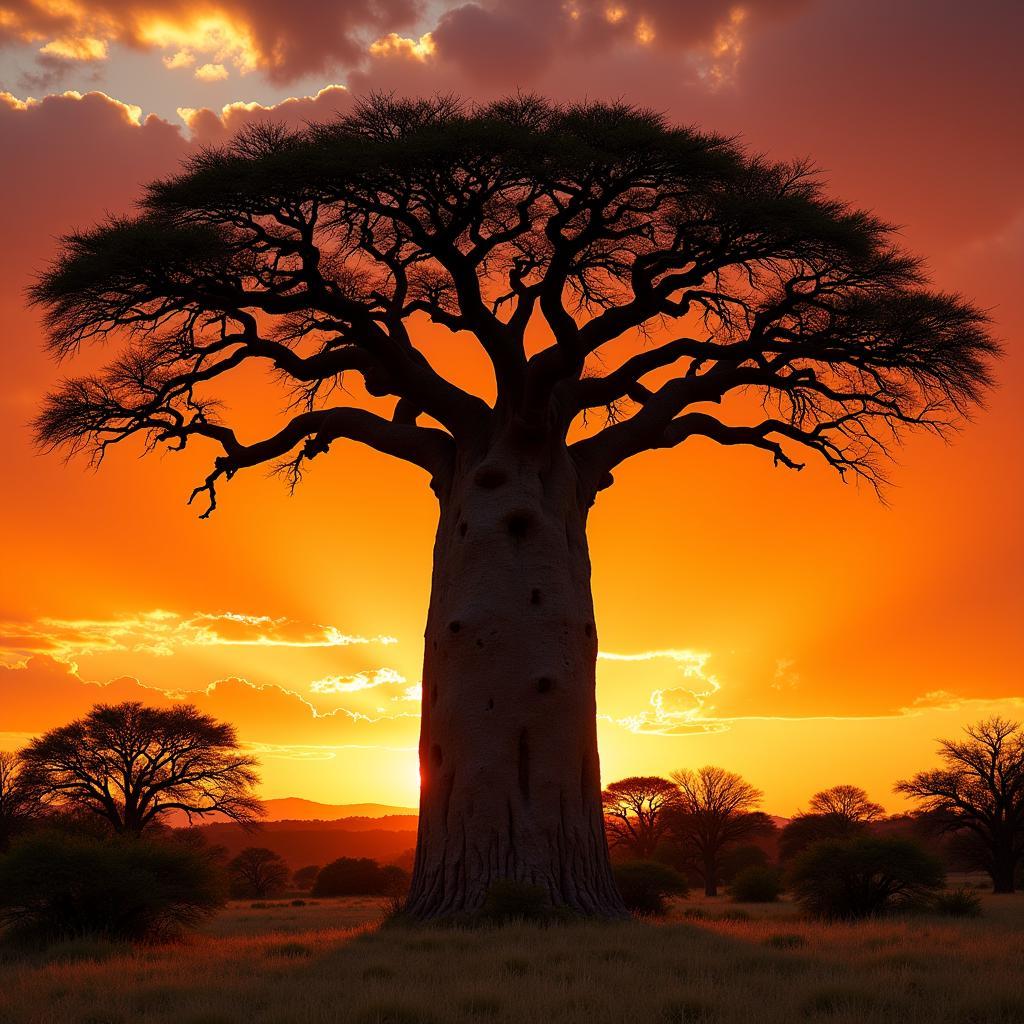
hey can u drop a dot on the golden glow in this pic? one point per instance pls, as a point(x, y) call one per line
point(211, 73)
point(181, 59)
point(726, 49)
point(84, 48)
point(394, 45)
point(217, 36)
point(613, 15)
point(643, 33)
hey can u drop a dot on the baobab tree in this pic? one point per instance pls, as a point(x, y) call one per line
point(757, 310)
point(978, 795)
point(131, 766)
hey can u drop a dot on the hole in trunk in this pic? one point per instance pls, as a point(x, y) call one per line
point(455, 626)
point(545, 684)
point(524, 765)
point(436, 756)
point(535, 596)
point(490, 703)
point(489, 477)
point(463, 527)
point(518, 524)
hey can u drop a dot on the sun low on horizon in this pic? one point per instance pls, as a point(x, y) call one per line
point(793, 627)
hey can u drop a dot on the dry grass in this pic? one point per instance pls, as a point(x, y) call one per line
point(329, 962)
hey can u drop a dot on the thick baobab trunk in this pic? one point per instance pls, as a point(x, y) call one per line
point(1004, 871)
point(508, 743)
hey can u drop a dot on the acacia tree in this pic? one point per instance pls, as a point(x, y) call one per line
point(758, 311)
point(979, 795)
point(132, 765)
point(851, 803)
point(715, 812)
point(634, 813)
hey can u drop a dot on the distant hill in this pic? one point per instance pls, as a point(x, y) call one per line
point(295, 808)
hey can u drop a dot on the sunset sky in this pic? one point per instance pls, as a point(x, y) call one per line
point(786, 626)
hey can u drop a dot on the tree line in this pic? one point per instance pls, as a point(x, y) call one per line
point(86, 810)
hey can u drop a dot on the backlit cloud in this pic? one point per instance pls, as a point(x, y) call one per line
point(164, 633)
point(283, 41)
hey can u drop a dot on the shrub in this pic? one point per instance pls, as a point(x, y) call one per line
point(646, 886)
point(59, 885)
point(305, 878)
point(961, 902)
point(351, 876)
point(756, 884)
point(509, 900)
point(864, 876)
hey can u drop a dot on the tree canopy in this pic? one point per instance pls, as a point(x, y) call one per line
point(316, 252)
point(132, 765)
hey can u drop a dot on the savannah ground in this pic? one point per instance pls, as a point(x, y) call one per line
point(711, 960)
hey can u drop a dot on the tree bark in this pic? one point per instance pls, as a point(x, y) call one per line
point(508, 742)
point(1004, 870)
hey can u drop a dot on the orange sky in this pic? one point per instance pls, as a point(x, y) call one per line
point(786, 626)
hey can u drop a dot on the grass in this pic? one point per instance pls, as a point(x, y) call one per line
point(330, 962)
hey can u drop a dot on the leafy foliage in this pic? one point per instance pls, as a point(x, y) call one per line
point(59, 885)
point(860, 877)
point(646, 886)
point(352, 876)
point(756, 884)
point(635, 815)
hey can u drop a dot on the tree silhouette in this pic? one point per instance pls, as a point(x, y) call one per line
point(634, 813)
point(758, 311)
point(19, 802)
point(716, 811)
point(257, 872)
point(133, 765)
point(979, 794)
point(848, 802)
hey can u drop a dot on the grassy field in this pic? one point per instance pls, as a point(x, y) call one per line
point(330, 962)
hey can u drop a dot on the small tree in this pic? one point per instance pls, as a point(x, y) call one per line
point(19, 802)
point(849, 802)
point(257, 873)
point(634, 813)
point(978, 795)
point(757, 883)
point(132, 765)
point(716, 811)
point(864, 876)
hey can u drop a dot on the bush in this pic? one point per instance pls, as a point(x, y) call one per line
point(509, 900)
point(305, 878)
point(56, 885)
point(351, 876)
point(960, 902)
point(864, 876)
point(756, 884)
point(646, 886)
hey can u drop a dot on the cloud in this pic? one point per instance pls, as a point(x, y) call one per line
point(209, 127)
point(358, 681)
point(164, 633)
point(282, 42)
point(211, 73)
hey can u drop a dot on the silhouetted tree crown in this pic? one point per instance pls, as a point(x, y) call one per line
point(20, 804)
point(132, 765)
point(257, 872)
point(312, 251)
point(979, 793)
point(849, 802)
point(634, 809)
